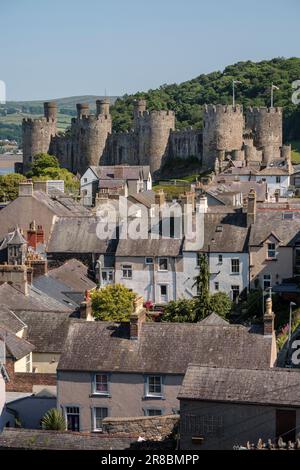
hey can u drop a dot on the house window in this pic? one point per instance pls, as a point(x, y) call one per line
point(85, 180)
point(72, 417)
point(278, 179)
point(267, 281)
point(153, 412)
point(99, 415)
point(163, 293)
point(163, 264)
point(28, 363)
point(216, 285)
point(107, 276)
point(235, 266)
point(235, 292)
point(271, 251)
point(101, 384)
point(220, 259)
point(149, 260)
point(154, 386)
point(297, 260)
point(127, 271)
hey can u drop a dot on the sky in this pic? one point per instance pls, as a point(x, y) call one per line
point(57, 48)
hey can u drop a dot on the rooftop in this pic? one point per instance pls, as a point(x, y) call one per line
point(273, 386)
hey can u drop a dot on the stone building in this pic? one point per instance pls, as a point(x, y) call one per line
point(227, 135)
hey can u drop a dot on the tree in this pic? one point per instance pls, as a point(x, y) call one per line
point(221, 304)
point(202, 283)
point(112, 303)
point(9, 186)
point(182, 310)
point(54, 420)
point(46, 167)
point(41, 162)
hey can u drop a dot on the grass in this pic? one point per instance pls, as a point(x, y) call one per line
point(63, 120)
point(295, 152)
point(171, 190)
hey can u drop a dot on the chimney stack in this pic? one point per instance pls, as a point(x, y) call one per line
point(251, 208)
point(85, 308)
point(26, 188)
point(269, 318)
point(160, 198)
point(203, 205)
point(137, 317)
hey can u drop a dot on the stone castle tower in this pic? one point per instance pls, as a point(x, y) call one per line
point(153, 132)
point(37, 134)
point(266, 127)
point(223, 128)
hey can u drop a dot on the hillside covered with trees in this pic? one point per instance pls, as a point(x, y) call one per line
point(188, 98)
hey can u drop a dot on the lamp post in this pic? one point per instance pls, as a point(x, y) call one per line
point(292, 304)
point(234, 82)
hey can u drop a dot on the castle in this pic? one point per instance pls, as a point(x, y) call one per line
point(228, 135)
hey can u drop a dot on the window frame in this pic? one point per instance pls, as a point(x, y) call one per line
point(159, 410)
point(94, 385)
point(94, 408)
point(66, 414)
point(220, 259)
point(127, 267)
point(154, 395)
point(238, 271)
point(163, 258)
point(271, 250)
point(147, 258)
point(217, 286)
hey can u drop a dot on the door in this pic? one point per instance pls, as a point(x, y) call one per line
point(286, 425)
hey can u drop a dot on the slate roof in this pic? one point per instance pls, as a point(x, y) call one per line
point(272, 221)
point(78, 235)
point(73, 273)
point(162, 347)
point(161, 247)
point(33, 439)
point(8, 319)
point(35, 300)
point(274, 386)
point(239, 186)
point(130, 172)
point(17, 238)
point(46, 330)
point(147, 198)
point(214, 320)
point(225, 232)
point(71, 277)
point(16, 347)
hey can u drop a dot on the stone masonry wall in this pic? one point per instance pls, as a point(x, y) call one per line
point(24, 381)
point(155, 428)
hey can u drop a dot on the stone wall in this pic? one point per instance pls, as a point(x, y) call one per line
point(155, 428)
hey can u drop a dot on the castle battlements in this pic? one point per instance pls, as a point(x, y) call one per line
point(264, 110)
point(212, 109)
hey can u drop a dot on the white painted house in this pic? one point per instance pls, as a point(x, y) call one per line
point(117, 180)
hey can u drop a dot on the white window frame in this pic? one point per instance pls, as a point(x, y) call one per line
point(267, 278)
point(220, 259)
point(95, 428)
point(147, 412)
point(162, 295)
point(271, 250)
point(154, 394)
point(127, 268)
point(278, 179)
point(238, 263)
point(217, 286)
point(159, 268)
point(147, 260)
point(99, 392)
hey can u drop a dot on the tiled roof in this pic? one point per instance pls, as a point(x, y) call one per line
point(225, 232)
point(46, 330)
point(16, 347)
point(273, 221)
point(8, 319)
point(148, 247)
point(162, 347)
point(274, 386)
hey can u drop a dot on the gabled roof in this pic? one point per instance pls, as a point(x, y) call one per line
point(16, 347)
point(225, 232)
point(78, 235)
point(125, 172)
point(272, 221)
point(35, 301)
point(274, 386)
point(214, 320)
point(162, 247)
point(8, 319)
point(165, 348)
point(46, 330)
point(17, 238)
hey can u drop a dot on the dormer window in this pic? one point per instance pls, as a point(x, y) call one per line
point(271, 251)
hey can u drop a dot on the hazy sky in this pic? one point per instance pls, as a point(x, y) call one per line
point(56, 48)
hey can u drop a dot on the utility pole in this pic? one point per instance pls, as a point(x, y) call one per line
point(273, 87)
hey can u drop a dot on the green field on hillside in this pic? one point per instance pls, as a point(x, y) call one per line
point(296, 152)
